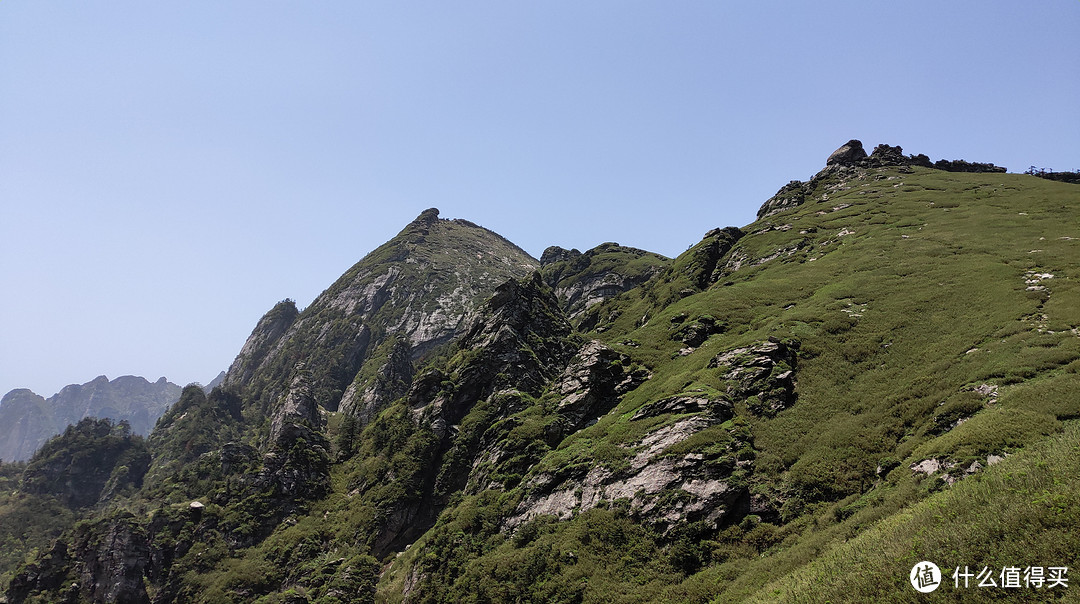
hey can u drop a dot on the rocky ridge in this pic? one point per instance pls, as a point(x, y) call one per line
point(27, 420)
point(849, 162)
point(583, 280)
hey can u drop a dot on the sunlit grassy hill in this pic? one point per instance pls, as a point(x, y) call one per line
point(937, 318)
point(883, 369)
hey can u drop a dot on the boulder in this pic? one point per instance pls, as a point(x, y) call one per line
point(849, 154)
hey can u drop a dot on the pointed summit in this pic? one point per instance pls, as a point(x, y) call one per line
point(427, 217)
point(415, 290)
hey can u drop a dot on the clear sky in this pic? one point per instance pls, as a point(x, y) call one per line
point(170, 170)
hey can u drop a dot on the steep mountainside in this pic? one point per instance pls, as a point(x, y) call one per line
point(870, 375)
point(360, 338)
point(27, 420)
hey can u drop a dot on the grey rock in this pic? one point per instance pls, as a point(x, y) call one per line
point(926, 466)
point(849, 154)
point(593, 382)
point(555, 253)
point(708, 254)
point(686, 403)
point(706, 492)
point(365, 397)
point(762, 374)
point(581, 281)
point(420, 288)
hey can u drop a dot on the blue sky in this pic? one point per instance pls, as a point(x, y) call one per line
point(169, 171)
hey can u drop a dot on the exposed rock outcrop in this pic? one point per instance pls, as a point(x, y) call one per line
point(518, 340)
point(666, 481)
point(959, 165)
point(694, 333)
point(107, 560)
point(851, 161)
point(582, 280)
point(298, 462)
point(263, 342)
point(419, 289)
point(593, 382)
point(702, 267)
point(850, 153)
point(789, 196)
point(762, 374)
point(554, 254)
point(368, 394)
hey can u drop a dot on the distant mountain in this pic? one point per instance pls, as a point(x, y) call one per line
point(27, 419)
point(214, 383)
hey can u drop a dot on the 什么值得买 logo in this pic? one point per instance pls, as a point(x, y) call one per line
point(925, 577)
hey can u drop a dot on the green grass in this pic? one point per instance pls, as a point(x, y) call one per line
point(1024, 511)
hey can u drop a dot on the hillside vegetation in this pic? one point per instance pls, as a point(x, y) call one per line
point(881, 370)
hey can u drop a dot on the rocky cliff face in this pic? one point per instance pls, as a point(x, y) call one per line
point(583, 280)
point(27, 419)
point(25, 423)
point(104, 562)
point(517, 342)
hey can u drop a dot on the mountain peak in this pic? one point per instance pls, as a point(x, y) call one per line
point(415, 290)
point(427, 217)
point(850, 153)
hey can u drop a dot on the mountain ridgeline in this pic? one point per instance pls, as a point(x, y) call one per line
point(456, 421)
point(27, 419)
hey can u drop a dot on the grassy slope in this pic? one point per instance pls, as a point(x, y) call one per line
point(1024, 511)
point(905, 301)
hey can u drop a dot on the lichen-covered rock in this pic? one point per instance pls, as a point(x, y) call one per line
point(666, 481)
point(763, 375)
point(593, 382)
